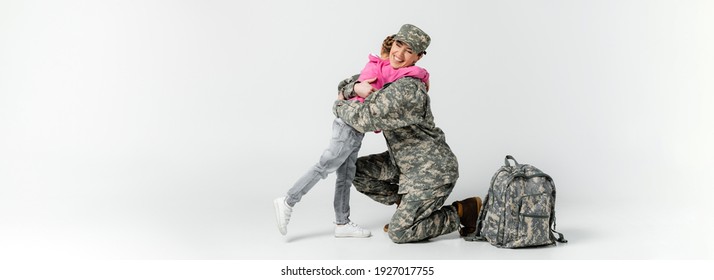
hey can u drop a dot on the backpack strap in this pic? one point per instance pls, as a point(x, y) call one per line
point(511, 158)
point(561, 237)
point(476, 235)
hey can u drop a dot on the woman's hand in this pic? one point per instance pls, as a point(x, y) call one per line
point(364, 88)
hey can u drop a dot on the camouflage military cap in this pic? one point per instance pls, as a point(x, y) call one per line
point(416, 38)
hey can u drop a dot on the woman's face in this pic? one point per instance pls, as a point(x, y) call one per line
point(402, 55)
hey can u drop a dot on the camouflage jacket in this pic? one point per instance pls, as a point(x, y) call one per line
point(418, 148)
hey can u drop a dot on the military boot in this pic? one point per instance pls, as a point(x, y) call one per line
point(468, 210)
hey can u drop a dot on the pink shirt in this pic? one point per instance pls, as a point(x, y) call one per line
point(383, 71)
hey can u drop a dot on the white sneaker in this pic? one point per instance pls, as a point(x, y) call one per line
point(351, 230)
point(282, 214)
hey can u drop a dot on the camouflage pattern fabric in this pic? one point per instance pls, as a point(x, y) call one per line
point(414, 220)
point(417, 220)
point(417, 148)
point(378, 178)
point(419, 165)
point(346, 86)
point(417, 39)
point(519, 209)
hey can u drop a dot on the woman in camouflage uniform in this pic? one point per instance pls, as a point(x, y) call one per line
point(419, 170)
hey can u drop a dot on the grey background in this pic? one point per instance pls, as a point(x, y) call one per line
point(163, 129)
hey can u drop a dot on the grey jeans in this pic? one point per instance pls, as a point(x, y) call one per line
point(340, 157)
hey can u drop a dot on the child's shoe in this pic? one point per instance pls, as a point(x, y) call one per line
point(282, 214)
point(351, 230)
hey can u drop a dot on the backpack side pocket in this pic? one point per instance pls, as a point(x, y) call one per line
point(534, 221)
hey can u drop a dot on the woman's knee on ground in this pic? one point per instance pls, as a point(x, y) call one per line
point(403, 235)
point(397, 235)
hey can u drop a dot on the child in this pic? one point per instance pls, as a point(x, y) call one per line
point(341, 155)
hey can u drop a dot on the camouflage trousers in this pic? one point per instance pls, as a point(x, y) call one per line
point(416, 219)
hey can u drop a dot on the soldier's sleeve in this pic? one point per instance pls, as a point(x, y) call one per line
point(398, 105)
point(346, 87)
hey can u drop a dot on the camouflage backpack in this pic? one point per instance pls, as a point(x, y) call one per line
point(519, 209)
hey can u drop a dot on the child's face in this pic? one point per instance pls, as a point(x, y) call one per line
point(402, 55)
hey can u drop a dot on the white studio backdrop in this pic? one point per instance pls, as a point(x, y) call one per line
point(163, 129)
